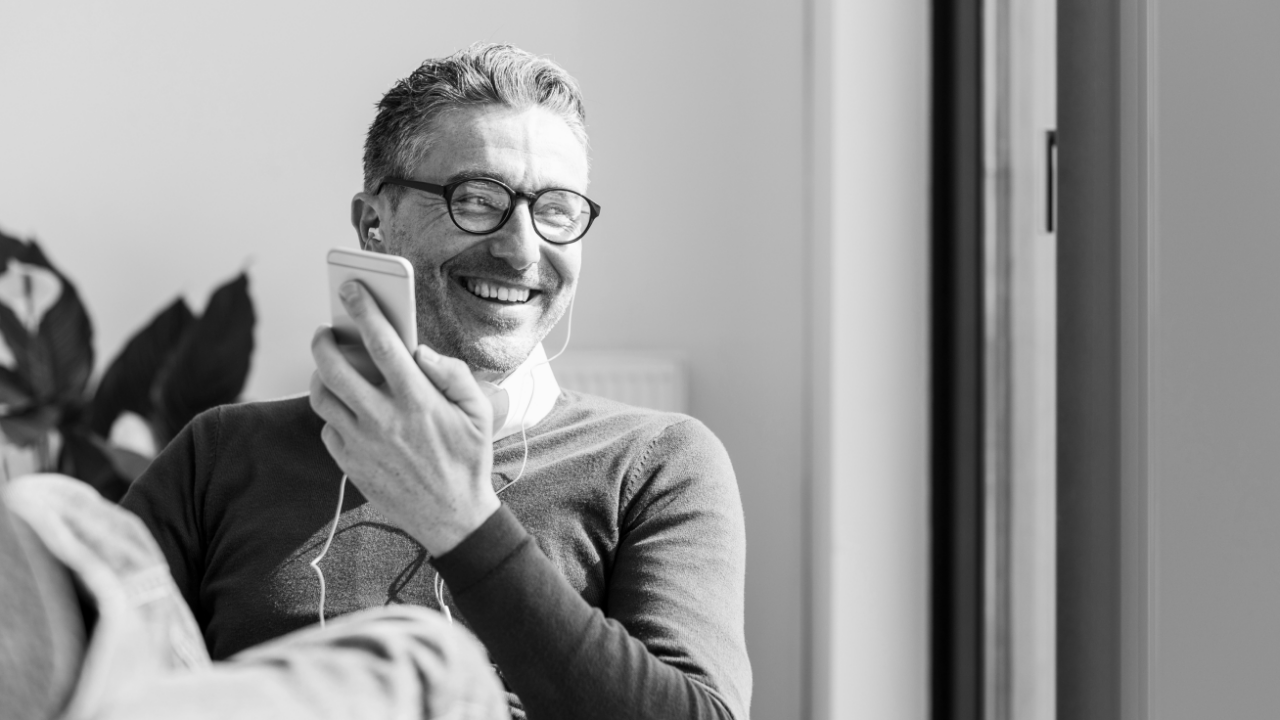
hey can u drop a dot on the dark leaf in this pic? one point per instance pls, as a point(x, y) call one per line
point(83, 457)
point(72, 415)
point(126, 385)
point(14, 390)
point(57, 360)
point(31, 358)
point(211, 363)
point(68, 336)
point(127, 463)
point(27, 427)
point(33, 370)
point(11, 247)
point(67, 333)
point(33, 255)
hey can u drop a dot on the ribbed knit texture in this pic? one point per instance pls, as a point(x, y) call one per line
point(610, 584)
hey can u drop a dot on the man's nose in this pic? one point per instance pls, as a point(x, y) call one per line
point(517, 242)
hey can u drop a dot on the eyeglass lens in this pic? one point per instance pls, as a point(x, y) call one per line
point(558, 215)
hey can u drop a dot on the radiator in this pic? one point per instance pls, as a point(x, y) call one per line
point(652, 380)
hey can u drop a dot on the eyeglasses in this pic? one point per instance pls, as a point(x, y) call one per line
point(482, 205)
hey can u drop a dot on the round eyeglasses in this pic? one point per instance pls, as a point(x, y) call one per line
point(482, 205)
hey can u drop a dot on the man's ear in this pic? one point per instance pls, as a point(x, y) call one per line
point(367, 221)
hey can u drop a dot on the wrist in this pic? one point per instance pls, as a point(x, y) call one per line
point(450, 535)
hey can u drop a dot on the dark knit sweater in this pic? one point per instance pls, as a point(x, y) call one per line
point(609, 584)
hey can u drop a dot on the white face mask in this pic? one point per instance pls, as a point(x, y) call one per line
point(500, 399)
point(524, 397)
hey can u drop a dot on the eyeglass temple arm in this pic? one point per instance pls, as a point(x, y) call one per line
point(429, 187)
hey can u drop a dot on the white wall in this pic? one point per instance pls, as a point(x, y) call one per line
point(869, 382)
point(1215, 399)
point(156, 148)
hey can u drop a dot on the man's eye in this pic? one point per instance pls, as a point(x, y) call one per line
point(556, 217)
point(559, 208)
point(475, 202)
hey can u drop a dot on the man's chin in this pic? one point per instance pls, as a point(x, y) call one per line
point(483, 346)
point(495, 358)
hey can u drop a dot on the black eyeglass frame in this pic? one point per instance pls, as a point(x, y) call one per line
point(446, 191)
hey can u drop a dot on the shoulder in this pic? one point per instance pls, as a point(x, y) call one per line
point(227, 435)
point(578, 408)
point(666, 449)
point(291, 409)
point(269, 420)
point(642, 429)
point(685, 454)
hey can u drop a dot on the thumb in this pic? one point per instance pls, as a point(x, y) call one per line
point(453, 379)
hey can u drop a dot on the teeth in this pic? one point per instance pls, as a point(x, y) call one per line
point(490, 291)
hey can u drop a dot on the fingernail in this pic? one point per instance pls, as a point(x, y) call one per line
point(348, 291)
point(428, 354)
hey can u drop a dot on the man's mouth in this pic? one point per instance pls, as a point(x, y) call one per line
point(498, 292)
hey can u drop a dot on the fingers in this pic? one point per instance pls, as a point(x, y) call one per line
point(453, 379)
point(336, 374)
point(383, 344)
point(328, 406)
point(334, 443)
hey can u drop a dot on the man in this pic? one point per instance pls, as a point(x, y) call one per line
point(594, 548)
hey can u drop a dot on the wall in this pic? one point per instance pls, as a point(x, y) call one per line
point(869, 296)
point(1215, 407)
point(157, 148)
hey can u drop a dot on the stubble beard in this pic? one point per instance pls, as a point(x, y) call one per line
point(501, 349)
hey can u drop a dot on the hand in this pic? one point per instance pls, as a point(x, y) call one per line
point(419, 446)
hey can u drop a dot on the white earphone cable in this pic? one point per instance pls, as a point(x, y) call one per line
point(524, 441)
point(315, 564)
point(533, 389)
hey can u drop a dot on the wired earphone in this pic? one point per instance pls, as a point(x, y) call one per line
point(438, 582)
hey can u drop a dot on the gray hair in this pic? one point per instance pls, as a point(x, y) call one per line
point(483, 74)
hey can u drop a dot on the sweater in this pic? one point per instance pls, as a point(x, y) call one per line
point(608, 585)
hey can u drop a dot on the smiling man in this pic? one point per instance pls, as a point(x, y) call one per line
point(596, 549)
point(487, 292)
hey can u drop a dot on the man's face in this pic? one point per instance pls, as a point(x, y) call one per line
point(529, 150)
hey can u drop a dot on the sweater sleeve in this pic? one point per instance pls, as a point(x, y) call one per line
point(670, 642)
point(165, 496)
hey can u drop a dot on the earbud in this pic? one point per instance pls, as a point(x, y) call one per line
point(375, 234)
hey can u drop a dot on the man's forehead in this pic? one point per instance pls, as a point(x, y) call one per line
point(527, 149)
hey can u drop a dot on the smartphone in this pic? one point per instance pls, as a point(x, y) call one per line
point(389, 278)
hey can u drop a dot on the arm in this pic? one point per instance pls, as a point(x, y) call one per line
point(672, 643)
point(401, 663)
point(164, 496)
point(419, 449)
